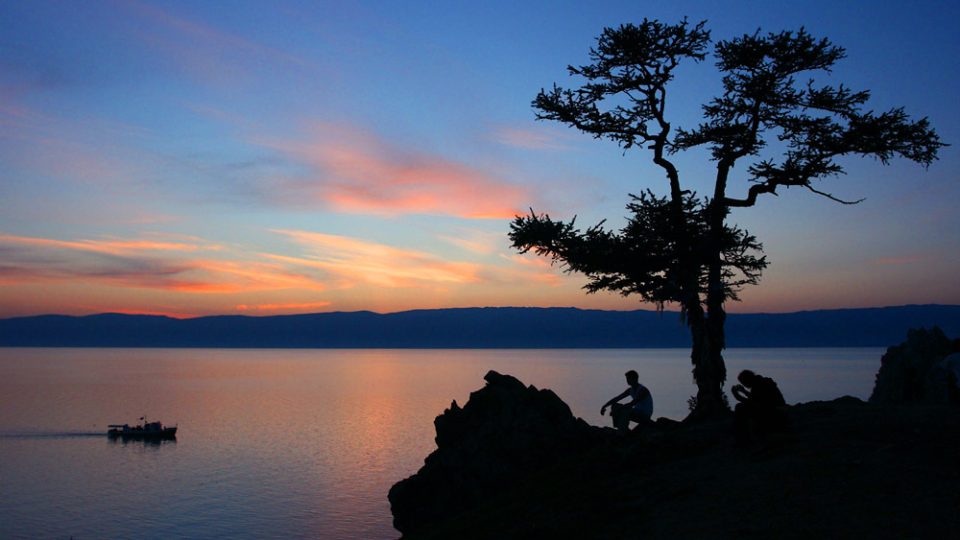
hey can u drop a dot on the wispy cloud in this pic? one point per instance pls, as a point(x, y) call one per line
point(248, 276)
point(50, 266)
point(207, 53)
point(353, 261)
point(543, 138)
point(142, 263)
point(91, 150)
point(899, 260)
point(352, 171)
point(114, 246)
point(474, 241)
point(533, 269)
point(285, 307)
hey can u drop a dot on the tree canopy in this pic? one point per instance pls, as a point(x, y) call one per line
point(679, 248)
point(643, 258)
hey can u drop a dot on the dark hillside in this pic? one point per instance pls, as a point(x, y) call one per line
point(476, 328)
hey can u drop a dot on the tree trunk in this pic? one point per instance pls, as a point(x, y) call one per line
point(710, 371)
point(698, 353)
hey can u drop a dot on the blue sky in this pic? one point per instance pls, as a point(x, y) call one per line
point(191, 158)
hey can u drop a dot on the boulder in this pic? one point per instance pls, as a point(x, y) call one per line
point(505, 431)
point(911, 372)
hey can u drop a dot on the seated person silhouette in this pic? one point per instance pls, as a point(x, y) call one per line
point(639, 409)
point(761, 407)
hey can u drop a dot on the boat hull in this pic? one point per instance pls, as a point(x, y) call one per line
point(166, 433)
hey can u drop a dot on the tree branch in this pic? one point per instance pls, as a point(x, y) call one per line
point(832, 197)
point(751, 199)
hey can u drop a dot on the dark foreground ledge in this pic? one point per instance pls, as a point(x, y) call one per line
point(515, 463)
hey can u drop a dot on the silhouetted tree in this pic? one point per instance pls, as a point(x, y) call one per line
point(679, 249)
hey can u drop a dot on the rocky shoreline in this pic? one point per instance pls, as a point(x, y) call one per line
point(513, 462)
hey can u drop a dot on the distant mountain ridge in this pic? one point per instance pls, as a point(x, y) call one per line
point(500, 327)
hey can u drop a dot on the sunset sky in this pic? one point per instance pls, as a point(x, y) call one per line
point(260, 158)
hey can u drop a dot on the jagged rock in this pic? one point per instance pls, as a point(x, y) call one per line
point(836, 473)
point(504, 432)
point(909, 372)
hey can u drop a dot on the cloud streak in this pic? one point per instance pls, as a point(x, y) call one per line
point(477, 242)
point(899, 260)
point(352, 261)
point(295, 306)
point(141, 263)
point(209, 54)
point(354, 172)
point(531, 139)
point(109, 246)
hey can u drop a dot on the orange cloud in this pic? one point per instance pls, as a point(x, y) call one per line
point(126, 311)
point(352, 260)
point(354, 172)
point(136, 264)
point(245, 276)
point(283, 307)
point(111, 246)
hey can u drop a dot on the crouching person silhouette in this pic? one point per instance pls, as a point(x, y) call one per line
point(639, 409)
point(761, 408)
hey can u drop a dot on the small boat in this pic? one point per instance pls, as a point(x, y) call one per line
point(147, 430)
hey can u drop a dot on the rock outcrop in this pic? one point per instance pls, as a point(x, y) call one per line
point(514, 464)
point(911, 371)
point(505, 432)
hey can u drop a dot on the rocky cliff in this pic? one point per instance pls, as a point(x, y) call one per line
point(514, 463)
point(505, 431)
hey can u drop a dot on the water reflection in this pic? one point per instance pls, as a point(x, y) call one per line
point(85, 435)
point(146, 442)
point(27, 435)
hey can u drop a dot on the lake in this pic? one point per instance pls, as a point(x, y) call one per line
point(293, 443)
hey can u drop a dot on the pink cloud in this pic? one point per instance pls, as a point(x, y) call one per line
point(355, 261)
point(355, 172)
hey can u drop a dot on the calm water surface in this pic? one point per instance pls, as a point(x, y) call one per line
point(292, 443)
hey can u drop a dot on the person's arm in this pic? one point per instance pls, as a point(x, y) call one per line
point(613, 400)
point(739, 392)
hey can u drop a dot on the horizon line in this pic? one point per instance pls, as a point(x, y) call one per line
point(193, 317)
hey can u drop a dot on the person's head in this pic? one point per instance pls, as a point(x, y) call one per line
point(747, 377)
point(633, 377)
